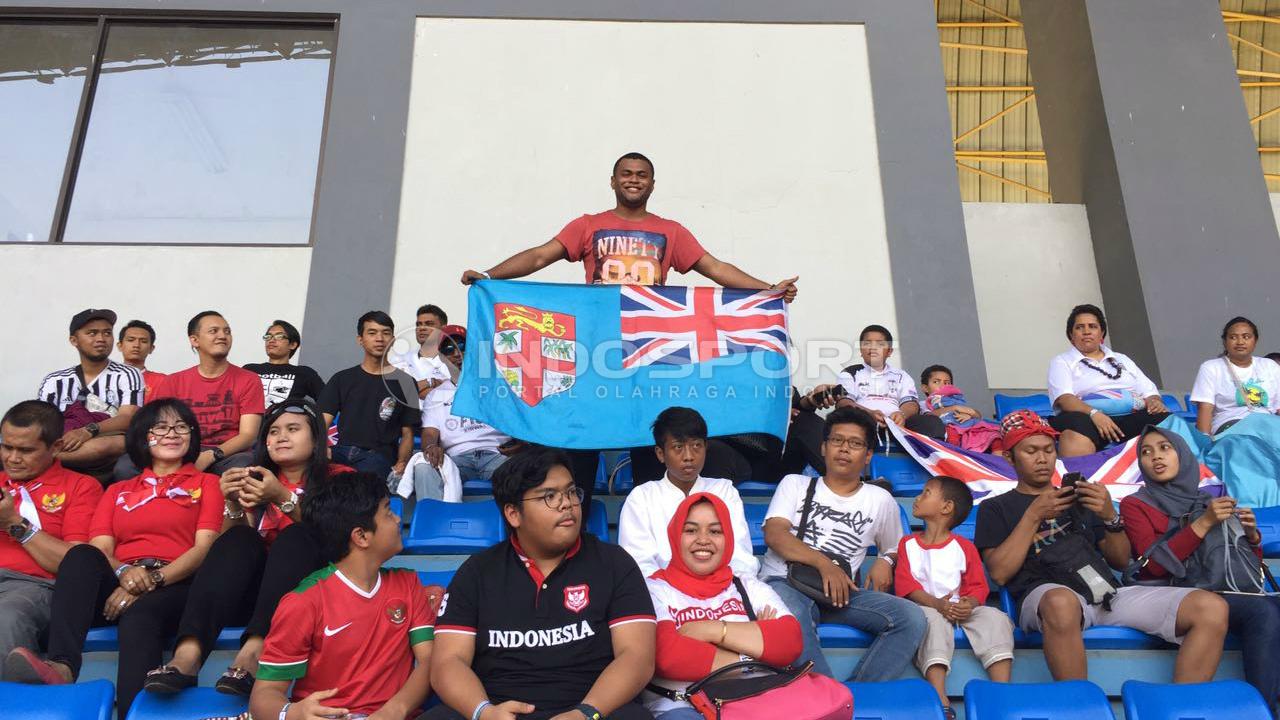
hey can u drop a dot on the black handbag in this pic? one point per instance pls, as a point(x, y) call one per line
point(806, 578)
point(1072, 559)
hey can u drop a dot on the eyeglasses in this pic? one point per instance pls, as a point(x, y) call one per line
point(553, 497)
point(853, 444)
point(161, 429)
point(275, 336)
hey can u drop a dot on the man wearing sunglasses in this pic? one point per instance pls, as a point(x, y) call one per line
point(280, 379)
point(552, 623)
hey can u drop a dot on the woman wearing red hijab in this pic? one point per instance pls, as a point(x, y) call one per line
point(702, 621)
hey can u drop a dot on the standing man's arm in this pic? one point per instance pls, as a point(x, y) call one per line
point(728, 275)
point(525, 262)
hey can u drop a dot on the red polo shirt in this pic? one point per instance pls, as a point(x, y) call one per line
point(64, 502)
point(164, 517)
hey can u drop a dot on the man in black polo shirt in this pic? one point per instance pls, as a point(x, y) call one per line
point(549, 624)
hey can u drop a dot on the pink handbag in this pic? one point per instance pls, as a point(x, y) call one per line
point(799, 693)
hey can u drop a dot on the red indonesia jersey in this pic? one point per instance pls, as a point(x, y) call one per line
point(328, 633)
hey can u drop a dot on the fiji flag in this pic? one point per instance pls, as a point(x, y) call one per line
point(591, 366)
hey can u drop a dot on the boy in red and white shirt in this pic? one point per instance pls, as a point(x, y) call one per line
point(353, 638)
point(942, 573)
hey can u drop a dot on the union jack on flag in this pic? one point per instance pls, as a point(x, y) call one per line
point(683, 325)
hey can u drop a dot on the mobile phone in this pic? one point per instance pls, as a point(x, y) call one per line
point(509, 444)
point(255, 474)
point(1070, 479)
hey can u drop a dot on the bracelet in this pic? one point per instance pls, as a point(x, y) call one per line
point(226, 512)
point(32, 531)
point(590, 712)
point(486, 275)
point(724, 631)
point(475, 714)
point(120, 570)
point(284, 711)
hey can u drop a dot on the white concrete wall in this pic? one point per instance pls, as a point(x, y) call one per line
point(44, 285)
point(1031, 265)
point(514, 126)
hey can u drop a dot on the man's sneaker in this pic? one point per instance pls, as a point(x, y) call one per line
point(24, 666)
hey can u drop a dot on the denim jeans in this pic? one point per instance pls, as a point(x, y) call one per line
point(1255, 620)
point(358, 458)
point(472, 465)
point(680, 713)
point(897, 623)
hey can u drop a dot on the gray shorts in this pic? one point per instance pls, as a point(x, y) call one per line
point(989, 631)
point(1153, 610)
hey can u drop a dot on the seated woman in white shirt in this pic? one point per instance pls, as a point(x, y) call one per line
point(1100, 396)
point(1235, 384)
point(708, 616)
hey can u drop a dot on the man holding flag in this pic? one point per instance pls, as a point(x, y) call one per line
point(627, 245)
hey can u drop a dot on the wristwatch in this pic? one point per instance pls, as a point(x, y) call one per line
point(157, 577)
point(590, 712)
point(218, 454)
point(290, 504)
point(1116, 525)
point(22, 531)
point(93, 429)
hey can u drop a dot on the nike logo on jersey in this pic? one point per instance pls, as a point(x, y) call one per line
point(330, 632)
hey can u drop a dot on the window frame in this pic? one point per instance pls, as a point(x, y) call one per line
point(84, 111)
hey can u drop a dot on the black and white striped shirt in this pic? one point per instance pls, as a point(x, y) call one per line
point(116, 385)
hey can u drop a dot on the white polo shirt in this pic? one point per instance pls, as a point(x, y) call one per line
point(886, 390)
point(457, 434)
point(642, 525)
point(1070, 374)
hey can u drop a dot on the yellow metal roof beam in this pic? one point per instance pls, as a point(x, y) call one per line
point(985, 48)
point(992, 88)
point(1255, 46)
point(1232, 16)
point(978, 24)
point(998, 14)
point(1006, 181)
point(994, 118)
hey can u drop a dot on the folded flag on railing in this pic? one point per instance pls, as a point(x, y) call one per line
point(988, 474)
point(591, 366)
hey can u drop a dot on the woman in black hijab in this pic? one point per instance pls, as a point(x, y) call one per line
point(1188, 536)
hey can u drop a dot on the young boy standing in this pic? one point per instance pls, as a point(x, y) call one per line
point(353, 638)
point(942, 573)
point(886, 392)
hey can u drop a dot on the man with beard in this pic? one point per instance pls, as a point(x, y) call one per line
point(226, 399)
point(97, 397)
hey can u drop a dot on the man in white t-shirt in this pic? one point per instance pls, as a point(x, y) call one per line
point(1100, 396)
point(845, 516)
point(425, 363)
point(1231, 386)
point(680, 442)
point(886, 392)
point(477, 449)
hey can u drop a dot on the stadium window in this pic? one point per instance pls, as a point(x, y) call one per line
point(43, 66)
point(205, 132)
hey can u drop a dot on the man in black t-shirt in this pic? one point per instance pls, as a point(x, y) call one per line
point(280, 380)
point(1017, 533)
point(551, 623)
point(376, 404)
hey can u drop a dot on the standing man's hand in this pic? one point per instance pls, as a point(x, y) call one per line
point(470, 276)
point(788, 288)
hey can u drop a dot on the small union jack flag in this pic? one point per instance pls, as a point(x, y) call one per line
point(683, 325)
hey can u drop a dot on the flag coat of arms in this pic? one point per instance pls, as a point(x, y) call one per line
point(591, 366)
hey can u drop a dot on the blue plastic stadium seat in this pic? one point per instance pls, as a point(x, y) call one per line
point(967, 528)
point(755, 488)
point(831, 635)
point(441, 528)
point(1171, 402)
point(477, 486)
point(437, 577)
point(910, 699)
point(83, 701)
point(907, 476)
point(200, 702)
point(597, 520)
point(107, 639)
point(1232, 699)
point(397, 506)
point(755, 523)
point(1069, 700)
point(1039, 402)
point(1269, 526)
point(620, 474)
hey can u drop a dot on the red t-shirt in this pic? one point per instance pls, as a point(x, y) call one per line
point(151, 380)
point(64, 502)
point(272, 520)
point(1145, 525)
point(166, 513)
point(328, 633)
point(217, 402)
point(615, 251)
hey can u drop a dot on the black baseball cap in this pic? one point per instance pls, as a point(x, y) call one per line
point(84, 317)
